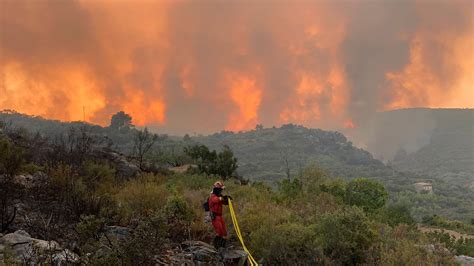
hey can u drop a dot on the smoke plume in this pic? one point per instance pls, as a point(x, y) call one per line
point(202, 66)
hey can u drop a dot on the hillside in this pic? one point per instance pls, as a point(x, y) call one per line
point(265, 154)
point(434, 139)
point(74, 203)
point(449, 152)
point(268, 153)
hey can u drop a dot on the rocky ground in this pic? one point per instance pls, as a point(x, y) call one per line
point(36, 234)
point(20, 248)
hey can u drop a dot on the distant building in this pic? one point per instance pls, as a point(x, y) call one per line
point(424, 187)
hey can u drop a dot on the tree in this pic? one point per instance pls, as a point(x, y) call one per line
point(142, 144)
point(121, 120)
point(396, 214)
point(10, 163)
point(367, 194)
point(203, 157)
point(209, 162)
point(10, 158)
point(226, 163)
point(286, 162)
point(259, 127)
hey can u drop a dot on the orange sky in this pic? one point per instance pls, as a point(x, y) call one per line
point(202, 66)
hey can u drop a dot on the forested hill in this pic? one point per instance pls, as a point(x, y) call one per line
point(408, 130)
point(263, 153)
point(268, 153)
point(437, 143)
point(449, 153)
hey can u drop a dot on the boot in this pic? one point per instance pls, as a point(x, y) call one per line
point(217, 242)
point(223, 242)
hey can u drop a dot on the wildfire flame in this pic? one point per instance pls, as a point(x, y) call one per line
point(204, 66)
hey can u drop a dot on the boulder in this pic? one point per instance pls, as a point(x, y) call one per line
point(200, 253)
point(124, 169)
point(24, 180)
point(117, 232)
point(465, 260)
point(234, 257)
point(28, 250)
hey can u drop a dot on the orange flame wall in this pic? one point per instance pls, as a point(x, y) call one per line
point(207, 65)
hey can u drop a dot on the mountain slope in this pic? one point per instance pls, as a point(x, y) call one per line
point(266, 154)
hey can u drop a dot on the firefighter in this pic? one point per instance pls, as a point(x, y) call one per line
point(216, 201)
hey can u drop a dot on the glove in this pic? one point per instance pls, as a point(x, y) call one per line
point(212, 215)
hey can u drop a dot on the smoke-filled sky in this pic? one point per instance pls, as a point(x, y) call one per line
point(202, 66)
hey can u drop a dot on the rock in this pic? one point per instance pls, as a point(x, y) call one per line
point(28, 250)
point(465, 260)
point(200, 253)
point(234, 257)
point(124, 169)
point(24, 180)
point(117, 232)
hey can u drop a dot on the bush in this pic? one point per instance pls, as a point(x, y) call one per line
point(31, 168)
point(140, 198)
point(337, 188)
point(89, 231)
point(97, 175)
point(148, 240)
point(367, 194)
point(179, 216)
point(406, 252)
point(286, 244)
point(345, 236)
point(290, 189)
point(459, 246)
point(11, 157)
point(396, 214)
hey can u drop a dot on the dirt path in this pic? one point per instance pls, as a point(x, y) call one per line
point(455, 234)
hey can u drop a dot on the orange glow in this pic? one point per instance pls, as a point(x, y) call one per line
point(349, 124)
point(188, 66)
point(143, 109)
point(445, 83)
point(64, 96)
point(246, 96)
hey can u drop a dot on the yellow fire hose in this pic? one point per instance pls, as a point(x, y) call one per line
point(252, 261)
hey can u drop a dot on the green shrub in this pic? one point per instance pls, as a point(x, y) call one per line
point(337, 188)
point(290, 189)
point(459, 246)
point(367, 194)
point(31, 168)
point(286, 244)
point(148, 240)
point(179, 216)
point(11, 157)
point(89, 231)
point(98, 175)
point(140, 197)
point(345, 236)
point(406, 252)
point(395, 214)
